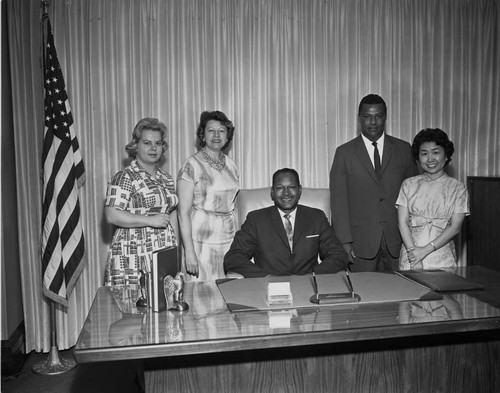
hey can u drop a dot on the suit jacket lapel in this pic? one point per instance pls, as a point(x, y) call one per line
point(299, 226)
point(387, 154)
point(364, 158)
point(277, 224)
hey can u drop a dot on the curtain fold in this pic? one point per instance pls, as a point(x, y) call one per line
point(289, 73)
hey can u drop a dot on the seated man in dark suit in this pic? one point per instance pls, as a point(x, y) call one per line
point(285, 239)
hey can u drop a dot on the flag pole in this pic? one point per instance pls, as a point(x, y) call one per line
point(55, 364)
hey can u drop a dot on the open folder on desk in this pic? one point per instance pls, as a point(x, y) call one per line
point(439, 280)
point(249, 294)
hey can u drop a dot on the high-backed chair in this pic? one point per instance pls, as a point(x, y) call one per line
point(257, 198)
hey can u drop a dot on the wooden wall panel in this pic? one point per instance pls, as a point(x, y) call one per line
point(483, 234)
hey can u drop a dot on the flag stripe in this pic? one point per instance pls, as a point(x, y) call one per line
point(47, 144)
point(70, 227)
point(55, 280)
point(62, 234)
point(49, 183)
point(74, 261)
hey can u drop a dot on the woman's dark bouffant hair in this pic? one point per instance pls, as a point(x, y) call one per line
point(439, 137)
point(205, 117)
point(147, 123)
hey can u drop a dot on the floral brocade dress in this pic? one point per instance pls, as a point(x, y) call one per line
point(134, 190)
point(212, 212)
point(431, 204)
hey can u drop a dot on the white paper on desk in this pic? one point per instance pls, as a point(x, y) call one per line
point(279, 289)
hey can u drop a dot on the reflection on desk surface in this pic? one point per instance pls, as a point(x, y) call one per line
point(430, 311)
point(208, 318)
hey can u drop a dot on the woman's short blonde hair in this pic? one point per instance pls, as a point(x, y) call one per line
point(148, 123)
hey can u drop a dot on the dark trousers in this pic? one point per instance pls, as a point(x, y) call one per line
point(383, 262)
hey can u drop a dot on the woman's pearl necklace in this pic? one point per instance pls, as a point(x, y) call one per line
point(217, 164)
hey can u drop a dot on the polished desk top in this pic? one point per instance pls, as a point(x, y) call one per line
point(115, 330)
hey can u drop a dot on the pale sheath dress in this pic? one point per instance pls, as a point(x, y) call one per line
point(212, 213)
point(134, 190)
point(431, 204)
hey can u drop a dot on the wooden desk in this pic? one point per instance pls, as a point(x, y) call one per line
point(447, 346)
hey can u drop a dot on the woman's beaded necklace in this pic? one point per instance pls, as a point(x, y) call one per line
point(217, 164)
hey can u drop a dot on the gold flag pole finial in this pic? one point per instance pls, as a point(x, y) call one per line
point(45, 4)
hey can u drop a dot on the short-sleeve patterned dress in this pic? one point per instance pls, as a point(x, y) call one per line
point(212, 213)
point(134, 190)
point(431, 204)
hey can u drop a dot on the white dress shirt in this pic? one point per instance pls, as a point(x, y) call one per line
point(371, 149)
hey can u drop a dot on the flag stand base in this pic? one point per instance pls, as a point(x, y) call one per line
point(54, 365)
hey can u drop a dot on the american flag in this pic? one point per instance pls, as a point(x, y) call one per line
point(63, 173)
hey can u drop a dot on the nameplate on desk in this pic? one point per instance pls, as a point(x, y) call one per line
point(337, 297)
point(334, 298)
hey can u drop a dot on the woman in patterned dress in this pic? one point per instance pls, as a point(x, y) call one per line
point(431, 206)
point(139, 201)
point(207, 186)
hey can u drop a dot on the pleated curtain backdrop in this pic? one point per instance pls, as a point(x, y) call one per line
point(289, 73)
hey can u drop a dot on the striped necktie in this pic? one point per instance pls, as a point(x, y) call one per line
point(289, 230)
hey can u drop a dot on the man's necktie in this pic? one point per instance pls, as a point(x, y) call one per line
point(376, 158)
point(289, 230)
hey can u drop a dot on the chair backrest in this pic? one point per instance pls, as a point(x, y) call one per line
point(258, 198)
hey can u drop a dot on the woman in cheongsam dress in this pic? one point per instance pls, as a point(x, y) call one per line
point(139, 201)
point(431, 206)
point(207, 186)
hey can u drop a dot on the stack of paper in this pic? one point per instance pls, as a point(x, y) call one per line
point(279, 293)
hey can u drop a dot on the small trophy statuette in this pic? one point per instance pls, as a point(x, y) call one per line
point(174, 292)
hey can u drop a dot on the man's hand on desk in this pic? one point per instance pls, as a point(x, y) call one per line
point(234, 275)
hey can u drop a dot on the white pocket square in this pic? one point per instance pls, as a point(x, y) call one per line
point(307, 237)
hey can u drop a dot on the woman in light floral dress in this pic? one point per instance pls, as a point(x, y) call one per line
point(208, 183)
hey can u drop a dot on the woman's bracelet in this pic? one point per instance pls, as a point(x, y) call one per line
point(410, 249)
point(433, 246)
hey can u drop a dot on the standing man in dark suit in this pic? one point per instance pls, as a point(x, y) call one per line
point(285, 239)
point(365, 178)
